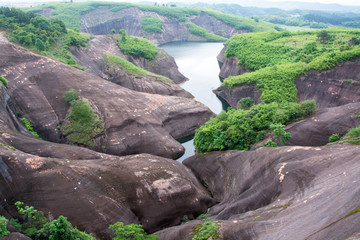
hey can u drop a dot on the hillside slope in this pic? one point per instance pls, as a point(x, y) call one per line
point(101, 18)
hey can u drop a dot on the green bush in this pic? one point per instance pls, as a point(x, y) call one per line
point(70, 95)
point(240, 129)
point(246, 103)
point(29, 127)
point(131, 231)
point(152, 24)
point(270, 143)
point(279, 133)
point(3, 226)
point(334, 137)
point(37, 226)
point(207, 229)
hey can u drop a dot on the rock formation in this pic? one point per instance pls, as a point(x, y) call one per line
point(330, 88)
point(95, 193)
point(280, 193)
point(91, 57)
point(134, 122)
point(102, 20)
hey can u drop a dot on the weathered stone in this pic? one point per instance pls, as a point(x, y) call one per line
point(280, 193)
point(93, 194)
point(91, 57)
point(134, 122)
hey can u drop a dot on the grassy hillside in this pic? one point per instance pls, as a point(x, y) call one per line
point(71, 13)
point(276, 60)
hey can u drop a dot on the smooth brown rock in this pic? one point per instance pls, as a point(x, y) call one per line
point(93, 194)
point(280, 193)
point(134, 122)
point(91, 57)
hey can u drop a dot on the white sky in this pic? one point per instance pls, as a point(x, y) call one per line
point(342, 2)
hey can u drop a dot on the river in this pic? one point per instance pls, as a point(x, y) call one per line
point(197, 61)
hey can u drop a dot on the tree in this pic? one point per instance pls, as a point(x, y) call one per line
point(131, 231)
point(324, 37)
point(39, 45)
point(113, 31)
point(279, 133)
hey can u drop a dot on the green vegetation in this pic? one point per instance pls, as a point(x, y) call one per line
point(135, 46)
point(70, 96)
point(8, 146)
point(3, 228)
point(239, 129)
point(131, 231)
point(241, 22)
point(152, 24)
point(334, 137)
point(207, 229)
point(4, 81)
point(279, 133)
point(82, 124)
point(202, 32)
point(352, 136)
point(111, 61)
point(71, 13)
point(29, 127)
point(41, 35)
point(34, 224)
point(277, 59)
point(246, 103)
point(270, 143)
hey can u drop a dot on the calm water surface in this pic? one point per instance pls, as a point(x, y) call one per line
point(197, 61)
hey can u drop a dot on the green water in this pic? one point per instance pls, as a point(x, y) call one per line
point(197, 61)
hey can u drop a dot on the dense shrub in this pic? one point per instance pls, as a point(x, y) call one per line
point(131, 231)
point(38, 33)
point(35, 225)
point(3, 226)
point(239, 129)
point(206, 230)
point(151, 24)
point(246, 103)
point(334, 137)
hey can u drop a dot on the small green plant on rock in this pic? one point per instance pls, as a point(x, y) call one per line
point(131, 231)
point(4, 81)
point(206, 229)
point(82, 124)
point(270, 144)
point(333, 138)
point(3, 228)
point(29, 127)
